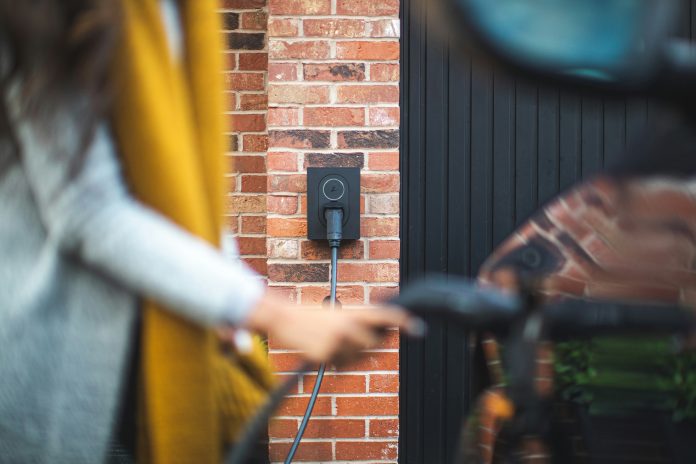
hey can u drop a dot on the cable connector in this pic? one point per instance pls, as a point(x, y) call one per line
point(334, 226)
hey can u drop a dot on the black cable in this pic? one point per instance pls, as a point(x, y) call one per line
point(334, 234)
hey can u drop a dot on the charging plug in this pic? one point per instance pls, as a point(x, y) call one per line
point(334, 226)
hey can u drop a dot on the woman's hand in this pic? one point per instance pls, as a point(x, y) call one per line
point(324, 335)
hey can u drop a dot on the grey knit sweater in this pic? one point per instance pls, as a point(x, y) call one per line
point(75, 254)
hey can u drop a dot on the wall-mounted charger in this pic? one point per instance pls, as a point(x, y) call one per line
point(333, 188)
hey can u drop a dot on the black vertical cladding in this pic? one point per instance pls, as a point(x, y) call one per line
point(480, 152)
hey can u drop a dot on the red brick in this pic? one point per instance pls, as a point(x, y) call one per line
point(367, 50)
point(346, 294)
point(252, 245)
point(307, 451)
point(342, 28)
point(296, 406)
point(367, 406)
point(303, 49)
point(313, 250)
point(384, 116)
point(286, 227)
point(253, 61)
point(384, 72)
point(367, 7)
point(255, 20)
point(385, 28)
point(299, 7)
point(384, 204)
point(390, 340)
point(253, 224)
point(282, 72)
point(288, 294)
point(379, 183)
point(368, 272)
point(278, 27)
point(257, 264)
point(288, 183)
point(384, 383)
point(249, 122)
point(384, 249)
point(281, 378)
point(304, 272)
point(281, 161)
point(243, 4)
point(382, 294)
point(337, 384)
point(254, 184)
point(246, 204)
point(283, 116)
point(300, 138)
point(285, 362)
point(245, 81)
point(253, 101)
point(374, 361)
point(230, 61)
point(255, 142)
point(379, 227)
point(299, 94)
point(334, 116)
point(282, 205)
point(384, 428)
point(334, 72)
point(371, 94)
point(249, 164)
point(318, 428)
point(363, 451)
point(383, 161)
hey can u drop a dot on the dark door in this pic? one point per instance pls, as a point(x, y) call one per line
point(480, 152)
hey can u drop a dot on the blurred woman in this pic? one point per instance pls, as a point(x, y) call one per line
point(111, 208)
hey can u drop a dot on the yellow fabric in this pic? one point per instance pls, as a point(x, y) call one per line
point(169, 123)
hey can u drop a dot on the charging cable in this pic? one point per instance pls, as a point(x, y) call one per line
point(239, 454)
point(334, 234)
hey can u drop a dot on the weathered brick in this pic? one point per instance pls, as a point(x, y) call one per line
point(383, 161)
point(249, 164)
point(278, 27)
point(366, 406)
point(379, 227)
point(286, 227)
point(230, 21)
point(246, 40)
point(365, 451)
point(337, 383)
point(367, 50)
point(243, 4)
point(300, 138)
point(334, 72)
point(282, 72)
point(255, 142)
point(319, 428)
point(246, 204)
point(384, 249)
point(384, 383)
point(253, 224)
point(303, 49)
point(346, 294)
point(384, 428)
point(249, 122)
point(342, 28)
point(283, 116)
point(281, 161)
point(384, 28)
point(384, 72)
point(339, 160)
point(282, 248)
point(382, 294)
point(254, 184)
point(255, 20)
point(334, 116)
point(368, 272)
point(371, 94)
point(304, 272)
point(282, 204)
point(298, 94)
point(307, 451)
point(252, 245)
point(368, 139)
point(245, 81)
point(384, 116)
point(367, 7)
point(253, 101)
point(253, 61)
point(314, 250)
point(295, 183)
point(299, 7)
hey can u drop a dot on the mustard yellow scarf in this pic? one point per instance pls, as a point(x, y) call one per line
point(169, 125)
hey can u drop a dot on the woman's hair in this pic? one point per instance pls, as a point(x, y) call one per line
point(56, 47)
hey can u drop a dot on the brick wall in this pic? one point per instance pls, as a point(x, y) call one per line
point(332, 81)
